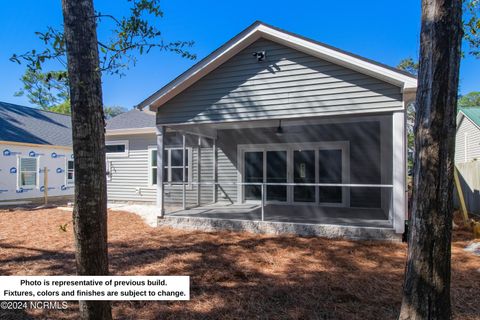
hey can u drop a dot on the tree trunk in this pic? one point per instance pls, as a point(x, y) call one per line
point(426, 293)
point(90, 211)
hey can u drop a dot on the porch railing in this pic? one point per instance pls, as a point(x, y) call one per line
point(263, 186)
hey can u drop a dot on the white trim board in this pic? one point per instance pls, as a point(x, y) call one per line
point(118, 132)
point(261, 30)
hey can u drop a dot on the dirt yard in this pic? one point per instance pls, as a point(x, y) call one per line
point(233, 275)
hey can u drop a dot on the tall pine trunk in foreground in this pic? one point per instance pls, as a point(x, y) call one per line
point(90, 211)
point(426, 292)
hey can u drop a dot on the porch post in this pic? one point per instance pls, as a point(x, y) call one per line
point(386, 165)
point(184, 180)
point(399, 171)
point(199, 168)
point(214, 150)
point(262, 202)
point(160, 131)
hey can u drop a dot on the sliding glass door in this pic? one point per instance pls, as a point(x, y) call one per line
point(304, 172)
point(330, 171)
point(276, 173)
point(296, 164)
point(253, 173)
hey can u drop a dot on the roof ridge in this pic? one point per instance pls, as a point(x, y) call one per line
point(338, 49)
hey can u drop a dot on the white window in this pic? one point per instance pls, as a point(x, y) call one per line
point(173, 165)
point(70, 172)
point(28, 172)
point(116, 148)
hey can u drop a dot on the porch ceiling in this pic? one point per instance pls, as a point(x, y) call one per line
point(209, 130)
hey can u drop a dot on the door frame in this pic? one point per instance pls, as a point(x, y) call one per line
point(342, 145)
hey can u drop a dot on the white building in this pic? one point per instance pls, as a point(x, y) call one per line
point(30, 141)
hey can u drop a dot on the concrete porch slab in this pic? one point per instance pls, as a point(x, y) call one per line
point(361, 217)
point(331, 222)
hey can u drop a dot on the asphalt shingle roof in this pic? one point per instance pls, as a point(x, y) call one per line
point(473, 113)
point(29, 125)
point(132, 119)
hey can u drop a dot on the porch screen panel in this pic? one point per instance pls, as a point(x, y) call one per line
point(253, 173)
point(153, 166)
point(304, 172)
point(330, 171)
point(173, 165)
point(176, 165)
point(276, 173)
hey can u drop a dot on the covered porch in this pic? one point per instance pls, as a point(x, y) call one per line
point(304, 125)
point(342, 172)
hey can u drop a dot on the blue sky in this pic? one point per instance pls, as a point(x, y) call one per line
point(386, 31)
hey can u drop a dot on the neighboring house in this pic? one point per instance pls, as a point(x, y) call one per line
point(467, 155)
point(30, 140)
point(271, 131)
point(467, 142)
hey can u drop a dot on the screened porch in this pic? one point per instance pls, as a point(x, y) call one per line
point(337, 171)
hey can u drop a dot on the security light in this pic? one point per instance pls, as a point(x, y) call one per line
point(260, 55)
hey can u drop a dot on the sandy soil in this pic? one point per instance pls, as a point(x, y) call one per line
point(233, 275)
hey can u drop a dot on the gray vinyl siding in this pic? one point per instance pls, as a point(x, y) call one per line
point(467, 130)
point(289, 84)
point(132, 171)
point(227, 171)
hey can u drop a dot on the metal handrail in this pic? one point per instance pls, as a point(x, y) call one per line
point(282, 184)
point(265, 184)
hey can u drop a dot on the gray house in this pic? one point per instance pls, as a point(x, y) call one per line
point(273, 132)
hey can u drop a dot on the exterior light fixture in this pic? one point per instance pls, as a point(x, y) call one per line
point(260, 55)
point(279, 131)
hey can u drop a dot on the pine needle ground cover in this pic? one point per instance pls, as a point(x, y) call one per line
point(233, 275)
